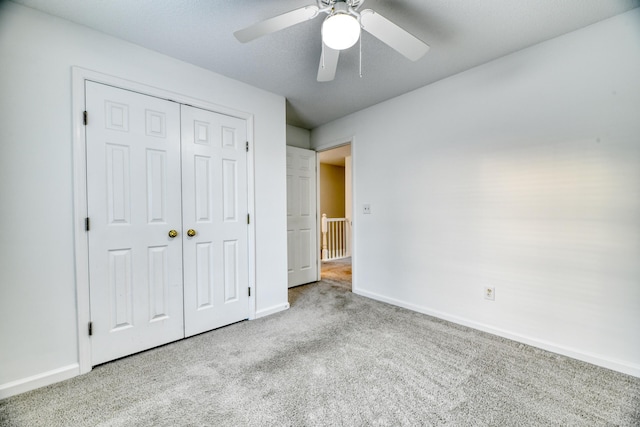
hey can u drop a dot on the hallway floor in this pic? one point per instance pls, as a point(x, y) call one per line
point(337, 272)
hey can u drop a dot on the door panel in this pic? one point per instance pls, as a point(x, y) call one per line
point(301, 216)
point(158, 280)
point(204, 275)
point(120, 289)
point(305, 236)
point(230, 266)
point(156, 185)
point(133, 193)
point(214, 173)
point(229, 191)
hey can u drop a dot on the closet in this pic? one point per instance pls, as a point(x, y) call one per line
point(167, 220)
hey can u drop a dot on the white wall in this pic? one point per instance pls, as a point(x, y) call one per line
point(332, 190)
point(298, 137)
point(37, 284)
point(522, 174)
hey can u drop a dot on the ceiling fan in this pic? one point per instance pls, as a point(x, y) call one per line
point(340, 30)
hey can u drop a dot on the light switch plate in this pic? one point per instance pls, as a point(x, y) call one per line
point(490, 293)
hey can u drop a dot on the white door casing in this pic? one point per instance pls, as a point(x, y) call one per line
point(80, 199)
point(215, 207)
point(302, 247)
point(133, 198)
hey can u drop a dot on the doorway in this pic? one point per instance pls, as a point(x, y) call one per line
point(336, 213)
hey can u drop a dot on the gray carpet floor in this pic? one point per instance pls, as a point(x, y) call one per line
point(336, 359)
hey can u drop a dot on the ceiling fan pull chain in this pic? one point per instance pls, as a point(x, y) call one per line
point(322, 55)
point(360, 55)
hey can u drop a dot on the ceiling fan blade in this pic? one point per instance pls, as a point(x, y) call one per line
point(276, 23)
point(328, 64)
point(394, 36)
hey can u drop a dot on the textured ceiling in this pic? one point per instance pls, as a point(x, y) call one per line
point(462, 34)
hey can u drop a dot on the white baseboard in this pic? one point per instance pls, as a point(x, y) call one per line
point(272, 310)
point(40, 380)
point(605, 362)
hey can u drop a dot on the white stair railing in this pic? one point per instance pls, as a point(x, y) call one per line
point(336, 234)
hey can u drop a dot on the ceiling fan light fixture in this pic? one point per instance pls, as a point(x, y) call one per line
point(340, 31)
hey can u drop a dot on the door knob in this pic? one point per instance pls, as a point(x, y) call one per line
point(191, 232)
point(173, 233)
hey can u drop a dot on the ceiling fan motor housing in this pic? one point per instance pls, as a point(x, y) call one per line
point(353, 3)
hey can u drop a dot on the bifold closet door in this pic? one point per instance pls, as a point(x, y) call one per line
point(215, 218)
point(134, 206)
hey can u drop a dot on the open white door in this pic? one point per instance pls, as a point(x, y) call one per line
point(302, 247)
point(133, 194)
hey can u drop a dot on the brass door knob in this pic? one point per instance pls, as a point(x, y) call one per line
point(191, 232)
point(173, 233)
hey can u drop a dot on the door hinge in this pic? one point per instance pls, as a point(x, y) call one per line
point(86, 224)
point(90, 328)
point(84, 117)
point(247, 146)
point(248, 218)
point(249, 291)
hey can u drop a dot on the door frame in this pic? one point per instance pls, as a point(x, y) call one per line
point(80, 209)
point(350, 140)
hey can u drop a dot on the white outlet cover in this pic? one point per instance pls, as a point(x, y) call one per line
point(366, 209)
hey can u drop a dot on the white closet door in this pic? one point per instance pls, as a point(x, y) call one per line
point(214, 173)
point(133, 186)
point(302, 233)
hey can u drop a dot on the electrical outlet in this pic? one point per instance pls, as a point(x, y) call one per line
point(490, 293)
point(366, 209)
